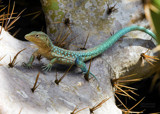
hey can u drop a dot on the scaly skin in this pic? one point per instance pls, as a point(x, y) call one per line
point(62, 56)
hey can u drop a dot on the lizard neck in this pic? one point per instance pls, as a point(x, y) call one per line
point(45, 49)
point(45, 46)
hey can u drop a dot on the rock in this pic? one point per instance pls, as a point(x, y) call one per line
point(119, 60)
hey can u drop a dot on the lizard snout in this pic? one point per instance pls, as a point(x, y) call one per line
point(26, 37)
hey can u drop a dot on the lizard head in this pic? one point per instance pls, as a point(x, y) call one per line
point(39, 38)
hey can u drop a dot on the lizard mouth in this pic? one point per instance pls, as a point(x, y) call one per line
point(27, 37)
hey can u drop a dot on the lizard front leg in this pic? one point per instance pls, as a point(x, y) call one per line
point(29, 64)
point(48, 67)
point(79, 63)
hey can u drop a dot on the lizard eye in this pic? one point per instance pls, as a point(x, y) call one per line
point(37, 35)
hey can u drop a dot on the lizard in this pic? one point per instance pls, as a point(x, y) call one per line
point(62, 56)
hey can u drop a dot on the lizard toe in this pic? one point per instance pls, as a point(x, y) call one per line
point(47, 67)
point(29, 66)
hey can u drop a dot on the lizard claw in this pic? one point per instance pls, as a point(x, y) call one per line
point(29, 66)
point(47, 67)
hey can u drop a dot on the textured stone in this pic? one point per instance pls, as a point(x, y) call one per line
point(119, 60)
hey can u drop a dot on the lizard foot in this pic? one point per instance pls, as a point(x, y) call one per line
point(27, 65)
point(47, 67)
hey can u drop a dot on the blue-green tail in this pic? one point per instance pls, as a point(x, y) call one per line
point(110, 41)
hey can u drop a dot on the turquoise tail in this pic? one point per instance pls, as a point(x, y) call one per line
point(110, 41)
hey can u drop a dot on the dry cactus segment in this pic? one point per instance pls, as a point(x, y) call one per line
point(36, 14)
point(111, 9)
point(98, 105)
point(60, 42)
point(67, 23)
point(8, 19)
point(124, 92)
point(34, 86)
point(129, 110)
point(12, 63)
point(86, 76)
point(1, 59)
point(148, 58)
point(9, 23)
point(125, 79)
point(58, 81)
point(84, 47)
point(75, 111)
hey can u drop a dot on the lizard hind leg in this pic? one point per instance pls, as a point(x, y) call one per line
point(79, 63)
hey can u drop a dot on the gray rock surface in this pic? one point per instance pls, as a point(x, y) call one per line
point(16, 84)
point(119, 60)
